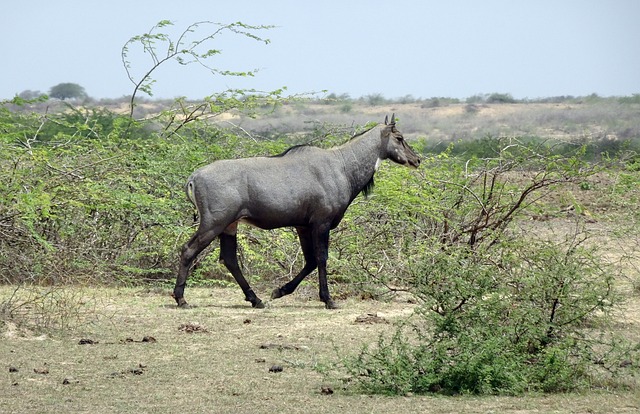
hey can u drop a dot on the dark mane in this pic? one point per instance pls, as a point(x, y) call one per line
point(361, 133)
point(295, 148)
point(302, 147)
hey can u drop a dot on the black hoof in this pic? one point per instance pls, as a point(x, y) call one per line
point(277, 293)
point(258, 304)
point(330, 304)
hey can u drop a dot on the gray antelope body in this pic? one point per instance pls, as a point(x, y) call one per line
point(305, 187)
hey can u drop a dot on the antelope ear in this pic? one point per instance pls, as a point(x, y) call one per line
point(386, 119)
point(393, 119)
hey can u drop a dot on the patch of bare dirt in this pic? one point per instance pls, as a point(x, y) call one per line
point(274, 363)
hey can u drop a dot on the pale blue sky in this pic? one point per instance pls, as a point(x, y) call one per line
point(422, 48)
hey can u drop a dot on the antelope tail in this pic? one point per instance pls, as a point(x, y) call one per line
point(190, 194)
point(192, 197)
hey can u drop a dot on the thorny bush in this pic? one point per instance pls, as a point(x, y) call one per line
point(500, 311)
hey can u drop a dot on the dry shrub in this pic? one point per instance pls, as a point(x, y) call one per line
point(54, 309)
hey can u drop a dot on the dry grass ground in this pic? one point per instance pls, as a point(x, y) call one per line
point(145, 355)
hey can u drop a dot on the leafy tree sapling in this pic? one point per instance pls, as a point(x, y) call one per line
point(162, 48)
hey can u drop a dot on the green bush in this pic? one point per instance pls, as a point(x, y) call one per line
point(506, 325)
point(500, 98)
point(83, 199)
point(500, 312)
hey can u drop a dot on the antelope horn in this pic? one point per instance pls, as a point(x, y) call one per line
point(386, 119)
point(393, 119)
